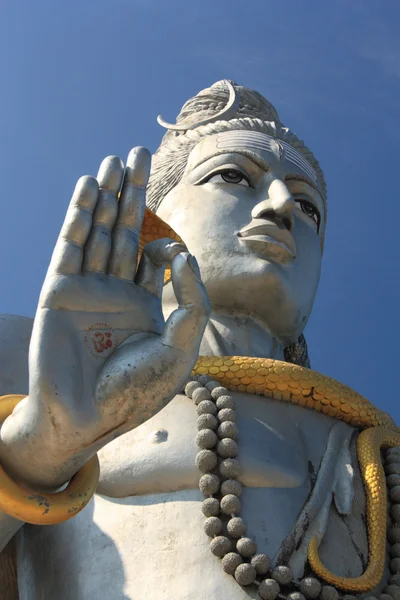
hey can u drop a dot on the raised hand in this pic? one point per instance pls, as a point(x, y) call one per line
point(102, 360)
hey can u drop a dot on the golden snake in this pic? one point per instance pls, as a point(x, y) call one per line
point(304, 387)
point(297, 385)
point(269, 378)
point(273, 379)
point(41, 508)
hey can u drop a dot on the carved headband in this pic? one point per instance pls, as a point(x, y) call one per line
point(264, 142)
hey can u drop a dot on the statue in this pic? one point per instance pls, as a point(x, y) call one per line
point(228, 469)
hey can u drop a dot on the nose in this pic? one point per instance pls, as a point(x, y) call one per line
point(278, 205)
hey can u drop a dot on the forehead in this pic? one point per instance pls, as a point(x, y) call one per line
point(255, 144)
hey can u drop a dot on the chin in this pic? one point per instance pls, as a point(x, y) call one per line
point(263, 289)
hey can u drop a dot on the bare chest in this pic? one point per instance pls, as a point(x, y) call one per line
point(275, 448)
point(143, 536)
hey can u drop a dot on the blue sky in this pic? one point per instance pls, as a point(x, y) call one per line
point(82, 80)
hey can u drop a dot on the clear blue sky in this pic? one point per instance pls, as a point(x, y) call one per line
point(84, 79)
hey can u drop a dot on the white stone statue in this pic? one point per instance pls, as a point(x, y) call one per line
point(112, 349)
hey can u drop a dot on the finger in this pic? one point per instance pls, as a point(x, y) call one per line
point(185, 326)
point(67, 255)
point(97, 249)
point(125, 238)
point(155, 257)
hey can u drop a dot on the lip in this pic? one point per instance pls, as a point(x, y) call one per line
point(262, 232)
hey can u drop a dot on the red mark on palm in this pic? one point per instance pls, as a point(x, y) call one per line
point(102, 341)
point(99, 338)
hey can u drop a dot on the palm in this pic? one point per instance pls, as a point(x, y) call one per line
point(101, 358)
point(101, 305)
point(94, 299)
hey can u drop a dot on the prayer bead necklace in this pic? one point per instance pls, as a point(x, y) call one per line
point(217, 440)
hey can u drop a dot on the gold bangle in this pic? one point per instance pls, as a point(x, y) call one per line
point(44, 508)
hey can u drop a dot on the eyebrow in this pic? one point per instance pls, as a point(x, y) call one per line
point(262, 164)
point(253, 156)
point(265, 142)
point(304, 179)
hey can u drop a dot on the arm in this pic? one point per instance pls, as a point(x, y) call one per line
point(101, 358)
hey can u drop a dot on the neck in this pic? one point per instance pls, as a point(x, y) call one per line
point(235, 334)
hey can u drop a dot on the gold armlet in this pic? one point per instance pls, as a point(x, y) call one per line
point(45, 508)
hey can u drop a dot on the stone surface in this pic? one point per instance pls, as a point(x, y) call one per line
point(236, 527)
point(218, 391)
point(230, 562)
point(146, 521)
point(206, 439)
point(226, 414)
point(230, 504)
point(328, 592)
point(209, 484)
point(393, 468)
point(230, 468)
point(245, 574)
point(295, 596)
point(393, 480)
point(227, 448)
point(228, 429)
point(395, 565)
point(246, 547)
point(231, 486)
point(191, 387)
point(268, 589)
point(394, 494)
point(220, 546)
point(211, 385)
point(395, 512)
point(282, 574)
point(261, 563)
point(394, 534)
point(210, 507)
point(393, 591)
point(206, 422)
point(212, 526)
point(225, 402)
point(206, 461)
point(310, 587)
point(200, 394)
point(206, 407)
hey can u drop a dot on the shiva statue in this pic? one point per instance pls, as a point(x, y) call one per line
point(163, 435)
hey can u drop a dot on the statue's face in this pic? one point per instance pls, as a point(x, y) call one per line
point(249, 209)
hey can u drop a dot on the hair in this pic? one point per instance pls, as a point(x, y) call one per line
point(253, 113)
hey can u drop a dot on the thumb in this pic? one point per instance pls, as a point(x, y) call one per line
point(185, 326)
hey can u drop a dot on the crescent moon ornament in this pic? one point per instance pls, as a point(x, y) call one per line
point(226, 113)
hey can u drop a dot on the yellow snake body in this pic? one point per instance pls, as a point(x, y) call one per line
point(41, 508)
point(297, 385)
point(294, 384)
point(368, 450)
point(304, 387)
point(273, 379)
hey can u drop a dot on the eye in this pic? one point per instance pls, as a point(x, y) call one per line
point(310, 210)
point(228, 176)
